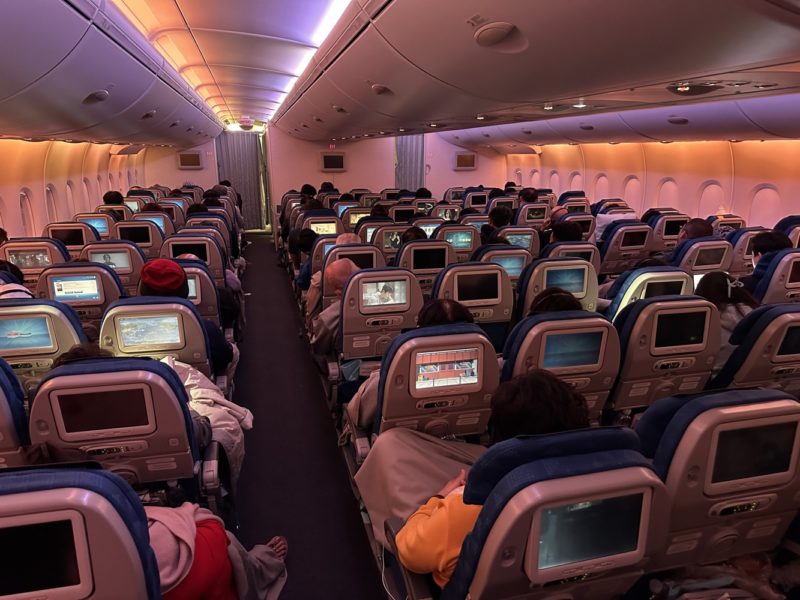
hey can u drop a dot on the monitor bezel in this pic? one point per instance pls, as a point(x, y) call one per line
point(198, 299)
point(529, 233)
point(148, 217)
point(622, 235)
point(122, 225)
point(120, 271)
point(310, 225)
point(349, 254)
point(342, 207)
point(457, 276)
point(468, 229)
point(387, 230)
point(579, 295)
point(359, 214)
point(579, 369)
point(785, 358)
point(9, 249)
point(471, 199)
point(415, 249)
point(382, 308)
point(641, 292)
point(439, 208)
point(39, 350)
point(687, 348)
point(535, 206)
point(107, 221)
point(789, 284)
point(149, 348)
point(489, 256)
point(666, 220)
point(446, 390)
point(51, 285)
point(53, 228)
point(713, 266)
point(135, 208)
point(182, 242)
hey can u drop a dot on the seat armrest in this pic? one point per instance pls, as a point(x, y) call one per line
point(418, 587)
point(209, 476)
point(358, 437)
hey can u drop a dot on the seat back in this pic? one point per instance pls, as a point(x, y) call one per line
point(605, 204)
point(370, 317)
point(573, 275)
point(534, 214)
point(668, 346)
point(202, 291)
point(564, 197)
point(402, 213)
point(135, 203)
point(425, 258)
point(463, 238)
point(126, 258)
point(201, 245)
point(512, 259)
point(367, 226)
point(156, 326)
point(323, 225)
point(424, 205)
point(477, 200)
point(522, 237)
point(580, 347)
point(448, 212)
point(486, 290)
point(623, 244)
point(33, 255)
point(647, 282)
point(781, 281)
point(387, 238)
point(576, 205)
point(144, 234)
point(322, 245)
point(222, 238)
point(742, 242)
point(75, 533)
point(101, 222)
point(789, 226)
point(162, 220)
point(389, 193)
point(702, 255)
point(725, 223)
point(585, 220)
point(131, 415)
point(580, 509)
point(369, 199)
point(174, 209)
point(438, 380)
point(510, 202)
point(365, 256)
point(216, 220)
point(358, 193)
point(74, 235)
point(666, 228)
point(454, 194)
point(729, 461)
point(351, 216)
point(120, 211)
point(13, 419)
point(427, 224)
point(584, 250)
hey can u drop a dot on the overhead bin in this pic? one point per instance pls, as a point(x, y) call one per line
point(776, 115)
point(601, 127)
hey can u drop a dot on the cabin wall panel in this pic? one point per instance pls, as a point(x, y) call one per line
point(62, 169)
point(491, 169)
point(160, 166)
point(524, 169)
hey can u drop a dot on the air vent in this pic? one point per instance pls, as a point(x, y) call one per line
point(96, 97)
point(586, 127)
point(149, 114)
point(338, 109)
point(527, 132)
point(678, 120)
point(174, 123)
point(379, 89)
point(693, 89)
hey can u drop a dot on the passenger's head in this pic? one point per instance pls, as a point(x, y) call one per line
point(346, 197)
point(557, 213)
point(3, 236)
point(176, 193)
point(305, 240)
point(443, 312)
point(196, 208)
point(308, 190)
point(221, 190)
point(225, 182)
point(423, 193)
point(721, 289)
point(82, 351)
point(470, 211)
point(496, 193)
point(769, 241)
point(413, 233)
point(314, 204)
point(510, 184)
point(650, 262)
point(534, 404)
point(528, 194)
point(326, 186)
point(113, 197)
point(163, 277)
point(379, 210)
point(566, 231)
point(553, 299)
point(695, 228)
point(212, 201)
point(10, 267)
point(336, 274)
point(152, 207)
point(211, 193)
point(500, 216)
point(347, 238)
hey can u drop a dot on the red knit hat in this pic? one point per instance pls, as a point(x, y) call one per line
point(163, 275)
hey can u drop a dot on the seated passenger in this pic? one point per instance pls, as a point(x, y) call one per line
point(553, 299)
point(314, 293)
point(13, 289)
point(361, 409)
point(413, 233)
point(305, 242)
point(113, 198)
point(3, 236)
point(423, 193)
point(164, 277)
point(528, 194)
point(152, 207)
point(692, 229)
point(406, 473)
point(325, 327)
point(765, 245)
point(565, 231)
point(734, 303)
point(198, 559)
point(499, 216)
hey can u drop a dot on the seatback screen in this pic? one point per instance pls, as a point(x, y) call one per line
point(323, 228)
point(363, 260)
point(569, 280)
point(379, 293)
point(70, 237)
point(523, 240)
point(477, 223)
point(137, 235)
point(429, 258)
point(749, 250)
point(572, 349)
point(535, 213)
point(447, 368)
point(191, 280)
point(448, 214)
point(478, 199)
point(662, 288)
point(101, 225)
point(157, 219)
point(327, 247)
point(754, 452)
point(391, 195)
point(38, 556)
point(132, 204)
point(709, 257)
point(75, 288)
point(791, 342)
point(513, 265)
point(355, 217)
point(587, 256)
point(392, 240)
point(25, 333)
point(457, 194)
point(370, 231)
point(117, 260)
point(429, 228)
point(672, 227)
point(29, 259)
point(199, 250)
point(149, 331)
point(404, 214)
point(477, 286)
point(589, 530)
point(680, 329)
point(170, 210)
point(794, 273)
point(459, 240)
point(97, 411)
point(585, 224)
point(633, 239)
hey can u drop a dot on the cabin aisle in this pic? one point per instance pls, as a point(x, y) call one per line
point(294, 482)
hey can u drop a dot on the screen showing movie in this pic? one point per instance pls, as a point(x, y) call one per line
point(429, 228)
point(732, 224)
point(117, 260)
point(459, 240)
point(149, 331)
point(75, 288)
point(709, 257)
point(428, 258)
point(478, 199)
point(477, 286)
point(355, 217)
point(100, 225)
point(477, 223)
point(69, 237)
point(341, 207)
point(672, 227)
point(535, 213)
point(29, 259)
point(392, 240)
point(569, 280)
point(572, 349)
point(392, 195)
point(590, 530)
point(25, 333)
point(633, 239)
point(456, 195)
point(41, 556)
point(192, 282)
point(446, 368)
point(133, 205)
point(198, 250)
point(680, 329)
point(662, 288)
point(754, 452)
point(523, 240)
point(137, 235)
point(506, 203)
point(404, 214)
point(323, 228)
point(370, 233)
point(363, 260)
point(158, 220)
point(512, 265)
point(384, 293)
point(448, 214)
point(97, 411)
point(576, 208)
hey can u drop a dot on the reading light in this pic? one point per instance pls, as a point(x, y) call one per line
point(579, 104)
point(548, 106)
point(683, 87)
point(480, 118)
point(433, 125)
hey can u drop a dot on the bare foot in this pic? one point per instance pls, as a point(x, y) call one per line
point(280, 546)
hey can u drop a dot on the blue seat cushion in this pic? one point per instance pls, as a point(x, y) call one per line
point(765, 269)
point(15, 397)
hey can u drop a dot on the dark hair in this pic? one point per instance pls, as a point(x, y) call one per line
point(176, 193)
point(308, 190)
point(152, 207)
point(500, 216)
point(211, 193)
point(496, 193)
point(82, 351)
point(314, 204)
point(471, 210)
point(225, 182)
point(553, 299)
point(770, 241)
point(10, 267)
point(379, 210)
point(305, 240)
point(212, 201)
point(413, 233)
point(387, 289)
point(113, 197)
point(326, 186)
point(3, 235)
point(653, 261)
point(566, 231)
point(196, 208)
point(510, 184)
point(441, 311)
point(533, 404)
point(696, 228)
point(346, 197)
point(423, 193)
point(528, 194)
point(721, 289)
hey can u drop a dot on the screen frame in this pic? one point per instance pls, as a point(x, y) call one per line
point(198, 299)
point(121, 270)
point(149, 216)
point(53, 228)
point(535, 206)
point(40, 350)
point(579, 295)
point(149, 348)
point(489, 256)
point(641, 293)
point(471, 230)
point(672, 219)
point(9, 249)
point(107, 222)
point(51, 285)
point(575, 370)
point(715, 266)
point(458, 275)
point(382, 308)
point(310, 225)
point(622, 235)
point(432, 270)
point(182, 242)
point(791, 285)
point(687, 348)
point(129, 225)
point(433, 392)
point(358, 214)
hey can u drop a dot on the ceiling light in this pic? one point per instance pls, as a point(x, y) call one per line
point(334, 12)
point(480, 118)
point(433, 124)
point(366, 135)
point(382, 132)
point(579, 104)
point(401, 130)
point(683, 87)
point(548, 106)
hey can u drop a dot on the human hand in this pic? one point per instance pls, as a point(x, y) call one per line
point(456, 482)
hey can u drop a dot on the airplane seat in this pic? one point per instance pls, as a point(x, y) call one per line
point(767, 351)
point(486, 290)
point(322, 245)
point(425, 258)
point(781, 281)
point(725, 223)
point(125, 257)
point(367, 226)
point(32, 255)
point(623, 244)
point(34, 333)
point(101, 222)
point(512, 259)
point(162, 220)
point(121, 212)
point(203, 246)
point(598, 206)
point(464, 238)
point(352, 216)
point(532, 214)
point(477, 200)
point(789, 226)
point(424, 205)
point(222, 237)
point(202, 291)
point(427, 224)
point(14, 437)
point(438, 380)
point(702, 255)
point(402, 213)
point(388, 238)
point(584, 250)
point(454, 194)
point(647, 282)
point(580, 347)
point(364, 256)
point(666, 228)
point(144, 234)
point(510, 202)
point(76, 533)
point(6, 277)
point(476, 221)
point(217, 220)
point(447, 212)
point(587, 222)
point(741, 240)
point(176, 211)
point(729, 462)
point(157, 326)
point(572, 515)
point(522, 237)
point(564, 197)
point(322, 224)
point(573, 275)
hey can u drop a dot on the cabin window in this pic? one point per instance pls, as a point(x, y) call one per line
point(668, 194)
point(555, 182)
point(632, 193)
point(70, 199)
point(536, 178)
point(712, 200)
point(87, 193)
point(50, 204)
point(26, 211)
point(576, 182)
point(600, 188)
point(766, 207)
